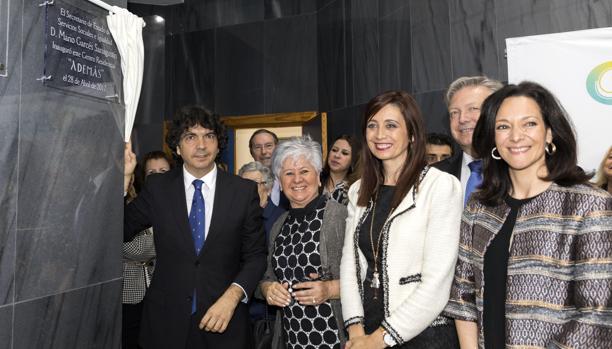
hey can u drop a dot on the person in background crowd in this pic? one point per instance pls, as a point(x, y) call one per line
point(138, 260)
point(156, 162)
point(209, 241)
point(401, 236)
point(262, 145)
point(340, 169)
point(535, 258)
point(464, 98)
point(604, 174)
point(264, 178)
point(439, 147)
point(304, 253)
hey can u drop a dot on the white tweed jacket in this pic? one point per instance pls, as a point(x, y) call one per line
point(419, 250)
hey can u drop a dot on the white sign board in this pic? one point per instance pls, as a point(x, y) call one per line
point(577, 67)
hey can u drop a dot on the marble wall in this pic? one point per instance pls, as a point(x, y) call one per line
point(244, 57)
point(368, 46)
point(240, 57)
point(61, 201)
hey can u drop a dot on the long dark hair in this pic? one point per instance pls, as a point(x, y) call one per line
point(353, 168)
point(562, 164)
point(373, 174)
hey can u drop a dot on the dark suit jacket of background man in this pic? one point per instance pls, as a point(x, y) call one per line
point(451, 165)
point(234, 251)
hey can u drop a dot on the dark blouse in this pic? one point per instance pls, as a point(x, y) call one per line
point(495, 275)
point(374, 307)
point(296, 255)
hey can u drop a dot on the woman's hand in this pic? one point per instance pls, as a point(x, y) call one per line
point(129, 160)
point(129, 165)
point(355, 330)
point(276, 294)
point(316, 292)
point(358, 339)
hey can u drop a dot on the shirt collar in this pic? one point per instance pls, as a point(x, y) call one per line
point(209, 179)
point(467, 158)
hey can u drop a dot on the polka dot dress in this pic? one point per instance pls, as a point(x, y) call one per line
point(296, 255)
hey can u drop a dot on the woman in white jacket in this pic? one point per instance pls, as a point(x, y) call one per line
point(402, 235)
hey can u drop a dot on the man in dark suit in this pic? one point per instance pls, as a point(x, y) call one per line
point(209, 240)
point(464, 98)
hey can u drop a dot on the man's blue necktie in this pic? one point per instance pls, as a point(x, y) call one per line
point(474, 180)
point(196, 221)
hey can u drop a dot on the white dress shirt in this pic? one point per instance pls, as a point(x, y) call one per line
point(275, 193)
point(208, 191)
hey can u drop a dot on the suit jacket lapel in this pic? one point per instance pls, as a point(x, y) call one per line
point(221, 206)
point(457, 166)
point(178, 206)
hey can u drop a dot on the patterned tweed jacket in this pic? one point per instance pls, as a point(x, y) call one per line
point(138, 257)
point(559, 285)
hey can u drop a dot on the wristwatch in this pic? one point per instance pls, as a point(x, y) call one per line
point(389, 341)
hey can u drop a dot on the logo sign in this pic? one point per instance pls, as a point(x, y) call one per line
point(599, 83)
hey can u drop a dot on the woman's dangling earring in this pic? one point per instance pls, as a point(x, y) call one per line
point(551, 148)
point(496, 157)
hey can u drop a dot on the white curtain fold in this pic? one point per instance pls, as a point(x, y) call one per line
point(126, 29)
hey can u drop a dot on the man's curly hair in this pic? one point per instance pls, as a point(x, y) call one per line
point(191, 116)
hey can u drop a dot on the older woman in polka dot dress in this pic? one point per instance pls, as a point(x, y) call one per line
point(302, 277)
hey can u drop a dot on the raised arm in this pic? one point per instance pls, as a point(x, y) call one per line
point(129, 165)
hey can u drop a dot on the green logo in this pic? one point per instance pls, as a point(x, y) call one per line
point(599, 83)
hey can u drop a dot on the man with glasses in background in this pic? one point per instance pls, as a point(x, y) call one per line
point(262, 145)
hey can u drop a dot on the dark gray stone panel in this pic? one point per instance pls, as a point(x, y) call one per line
point(331, 52)
point(290, 64)
point(286, 8)
point(6, 327)
point(527, 17)
point(395, 50)
point(190, 69)
point(344, 121)
point(239, 69)
point(10, 82)
point(473, 46)
point(84, 318)
point(434, 111)
point(431, 61)
point(364, 53)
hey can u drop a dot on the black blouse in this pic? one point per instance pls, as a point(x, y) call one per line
point(495, 275)
point(374, 307)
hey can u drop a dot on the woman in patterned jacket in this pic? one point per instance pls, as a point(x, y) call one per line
point(535, 252)
point(304, 254)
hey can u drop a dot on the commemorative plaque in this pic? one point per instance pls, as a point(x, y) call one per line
point(80, 54)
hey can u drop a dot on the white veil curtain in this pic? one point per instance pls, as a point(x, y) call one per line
point(126, 29)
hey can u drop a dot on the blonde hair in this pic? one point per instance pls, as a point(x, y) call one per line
point(471, 81)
